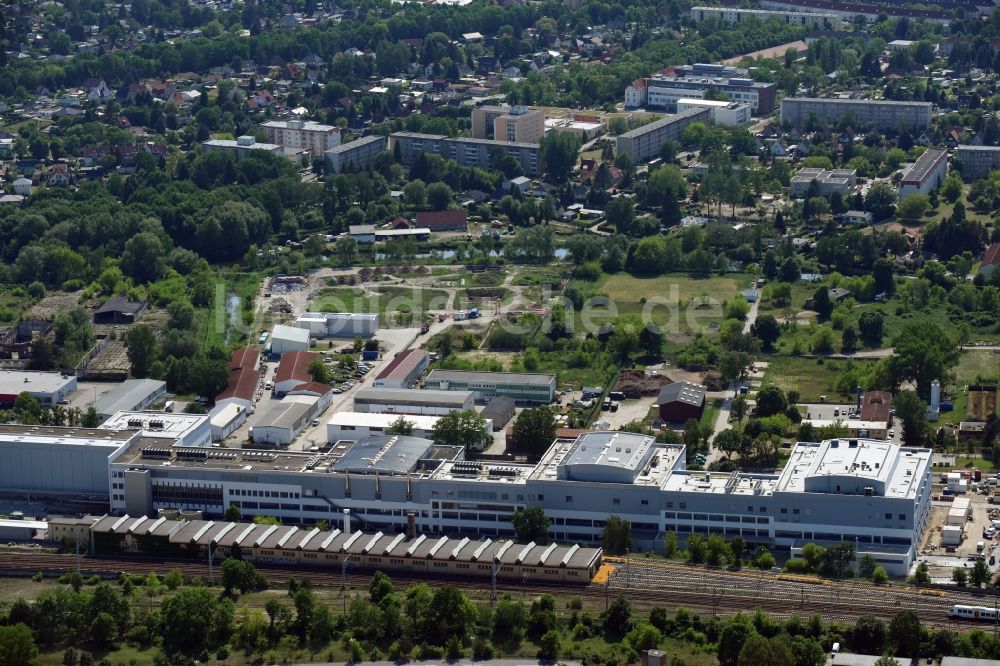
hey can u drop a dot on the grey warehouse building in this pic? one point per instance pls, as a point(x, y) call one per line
point(49, 460)
point(883, 114)
point(132, 395)
point(521, 386)
point(872, 493)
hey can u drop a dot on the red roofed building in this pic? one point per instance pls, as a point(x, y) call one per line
point(293, 369)
point(442, 220)
point(876, 406)
point(404, 369)
point(990, 260)
point(244, 378)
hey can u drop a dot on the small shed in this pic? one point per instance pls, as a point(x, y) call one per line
point(500, 410)
point(119, 310)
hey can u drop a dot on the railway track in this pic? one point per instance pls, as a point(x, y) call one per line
point(645, 584)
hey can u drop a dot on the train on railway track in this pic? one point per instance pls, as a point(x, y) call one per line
point(976, 613)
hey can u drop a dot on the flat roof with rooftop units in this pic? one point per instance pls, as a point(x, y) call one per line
point(609, 457)
point(183, 429)
point(854, 467)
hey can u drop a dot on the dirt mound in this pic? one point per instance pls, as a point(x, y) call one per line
point(637, 384)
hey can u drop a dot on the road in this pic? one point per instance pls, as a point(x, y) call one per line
point(722, 420)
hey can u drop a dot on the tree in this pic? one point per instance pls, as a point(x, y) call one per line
point(871, 326)
point(240, 575)
point(922, 574)
point(530, 524)
point(414, 193)
point(912, 412)
point(319, 371)
point(380, 587)
point(462, 428)
point(880, 576)
point(849, 339)
point(790, 270)
point(534, 430)
point(617, 536)
point(886, 660)
point(232, 513)
point(620, 214)
point(558, 151)
point(401, 426)
point(143, 258)
point(868, 634)
point(618, 619)
point(822, 303)
point(763, 559)
point(439, 196)
point(103, 630)
point(980, 574)
point(734, 635)
point(922, 352)
point(141, 343)
point(959, 576)
point(771, 400)
point(913, 207)
point(905, 633)
point(17, 645)
point(767, 330)
point(729, 441)
point(193, 620)
point(90, 418)
point(549, 645)
point(880, 200)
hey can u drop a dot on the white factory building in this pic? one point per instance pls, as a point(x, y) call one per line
point(176, 428)
point(286, 339)
point(132, 395)
point(730, 114)
point(358, 425)
point(226, 419)
point(875, 495)
point(339, 324)
point(412, 401)
point(48, 388)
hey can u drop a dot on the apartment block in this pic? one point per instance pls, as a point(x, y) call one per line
point(883, 114)
point(978, 161)
point(302, 135)
point(736, 15)
point(926, 174)
point(355, 155)
point(508, 123)
point(644, 143)
point(468, 152)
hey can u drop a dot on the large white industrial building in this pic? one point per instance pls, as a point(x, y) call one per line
point(339, 324)
point(871, 493)
point(43, 460)
point(874, 494)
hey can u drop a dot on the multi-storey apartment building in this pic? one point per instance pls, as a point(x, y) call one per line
point(883, 114)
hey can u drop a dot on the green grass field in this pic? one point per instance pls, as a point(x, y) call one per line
point(805, 375)
point(975, 364)
point(680, 304)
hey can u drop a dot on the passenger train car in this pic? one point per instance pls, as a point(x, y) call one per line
point(979, 613)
